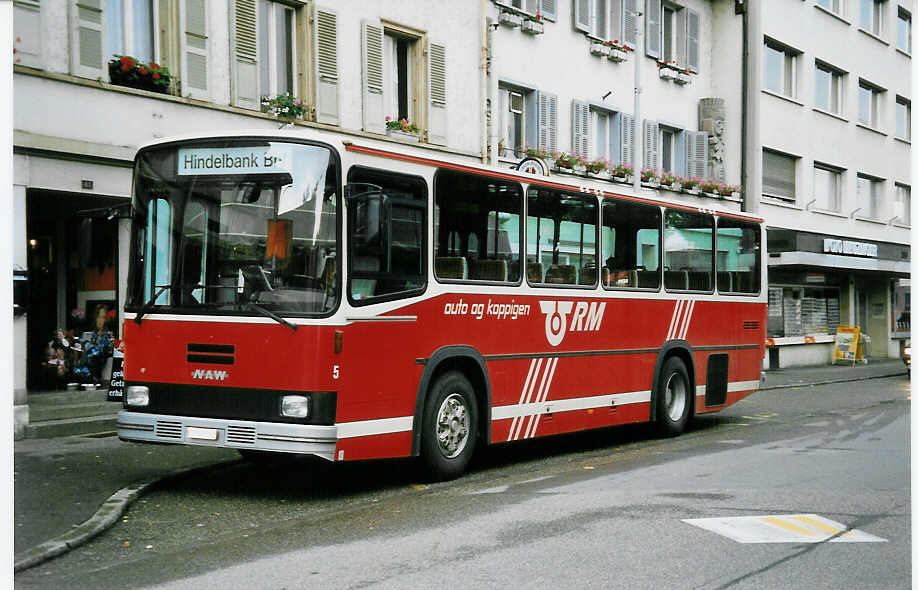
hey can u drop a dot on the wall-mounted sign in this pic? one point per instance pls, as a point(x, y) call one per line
point(833, 246)
point(267, 159)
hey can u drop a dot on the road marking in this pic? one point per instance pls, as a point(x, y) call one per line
point(783, 528)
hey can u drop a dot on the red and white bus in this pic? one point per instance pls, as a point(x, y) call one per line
point(299, 292)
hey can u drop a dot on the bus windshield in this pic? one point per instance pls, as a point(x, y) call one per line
point(230, 225)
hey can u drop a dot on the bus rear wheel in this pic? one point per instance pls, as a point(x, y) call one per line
point(449, 427)
point(673, 398)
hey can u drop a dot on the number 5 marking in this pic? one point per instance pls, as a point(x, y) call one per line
point(335, 372)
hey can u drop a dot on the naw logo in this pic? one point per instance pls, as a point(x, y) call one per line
point(208, 375)
point(584, 317)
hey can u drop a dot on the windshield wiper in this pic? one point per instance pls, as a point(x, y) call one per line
point(270, 314)
point(146, 306)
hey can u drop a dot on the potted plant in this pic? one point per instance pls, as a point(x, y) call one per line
point(622, 173)
point(284, 106)
point(565, 162)
point(670, 181)
point(690, 185)
point(124, 70)
point(709, 188)
point(402, 129)
point(650, 178)
point(598, 168)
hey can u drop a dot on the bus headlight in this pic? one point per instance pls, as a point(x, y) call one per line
point(137, 395)
point(295, 406)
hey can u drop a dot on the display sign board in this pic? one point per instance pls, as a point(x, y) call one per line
point(265, 159)
point(833, 246)
point(116, 383)
point(849, 346)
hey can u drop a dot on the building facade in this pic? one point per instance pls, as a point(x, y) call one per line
point(836, 189)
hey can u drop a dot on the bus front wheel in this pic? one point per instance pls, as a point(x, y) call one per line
point(673, 398)
point(449, 427)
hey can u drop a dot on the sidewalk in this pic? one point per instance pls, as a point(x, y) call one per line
point(69, 489)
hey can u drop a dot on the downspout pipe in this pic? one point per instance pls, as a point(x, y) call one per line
point(483, 83)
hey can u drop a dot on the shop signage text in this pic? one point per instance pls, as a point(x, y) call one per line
point(834, 246)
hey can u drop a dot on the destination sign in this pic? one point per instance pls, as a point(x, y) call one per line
point(234, 160)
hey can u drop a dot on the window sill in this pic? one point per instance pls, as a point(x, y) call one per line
point(828, 212)
point(832, 14)
point(873, 129)
point(903, 140)
point(870, 220)
point(872, 36)
point(901, 224)
point(779, 202)
point(831, 114)
point(904, 52)
point(782, 96)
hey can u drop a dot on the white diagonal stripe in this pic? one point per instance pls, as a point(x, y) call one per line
point(538, 397)
point(672, 321)
point(537, 417)
point(687, 320)
point(530, 388)
point(522, 396)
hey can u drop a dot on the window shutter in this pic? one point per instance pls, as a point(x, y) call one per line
point(87, 60)
point(372, 61)
point(696, 154)
point(27, 32)
point(615, 20)
point(651, 144)
point(436, 114)
point(652, 16)
point(549, 10)
point(679, 42)
point(194, 49)
point(582, 16)
point(627, 151)
point(580, 127)
point(629, 22)
point(693, 42)
point(246, 55)
point(532, 6)
point(548, 121)
point(326, 36)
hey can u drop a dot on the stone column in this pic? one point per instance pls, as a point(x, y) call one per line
point(712, 118)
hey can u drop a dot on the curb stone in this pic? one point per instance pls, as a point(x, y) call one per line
point(831, 381)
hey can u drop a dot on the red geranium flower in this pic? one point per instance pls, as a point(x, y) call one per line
point(154, 66)
point(143, 71)
point(156, 75)
point(127, 61)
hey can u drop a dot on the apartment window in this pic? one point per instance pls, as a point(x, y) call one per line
point(868, 104)
point(868, 196)
point(780, 69)
point(129, 28)
point(544, 7)
point(903, 118)
point(826, 187)
point(673, 33)
point(276, 48)
point(830, 5)
point(527, 118)
point(904, 30)
point(674, 150)
point(871, 16)
point(829, 85)
point(27, 32)
point(779, 175)
point(607, 20)
point(904, 203)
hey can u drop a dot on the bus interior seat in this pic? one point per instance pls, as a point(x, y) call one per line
point(587, 275)
point(725, 281)
point(488, 270)
point(676, 279)
point(451, 267)
point(534, 272)
point(563, 274)
point(648, 279)
point(363, 288)
point(699, 280)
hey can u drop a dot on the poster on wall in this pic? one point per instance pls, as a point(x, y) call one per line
point(116, 383)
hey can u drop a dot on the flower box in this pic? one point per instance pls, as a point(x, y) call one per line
point(532, 27)
point(654, 184)
point(604, 175)
point(714, 195)
point(682, 78)
point(736, 195)
point(580, 170)
point(601, 49)
point(692, 191)
point(675, 187)
point(510, 19)
point(668, 74)
point(564, 170)
point(617, 55)
point(622, 179)
point(403, 135)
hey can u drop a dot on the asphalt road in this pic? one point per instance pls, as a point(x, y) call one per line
point(603, 509)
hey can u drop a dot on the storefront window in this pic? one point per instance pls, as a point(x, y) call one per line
point(802, 310)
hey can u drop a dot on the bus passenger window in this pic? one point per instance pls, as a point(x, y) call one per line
point(562, 236)
point(738, 256)
point(630, 245)
point(477, 228)
point(688, 256)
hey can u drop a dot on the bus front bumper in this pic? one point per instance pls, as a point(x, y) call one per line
point(235, 434)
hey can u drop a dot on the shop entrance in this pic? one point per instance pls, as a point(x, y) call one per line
point(72, 243)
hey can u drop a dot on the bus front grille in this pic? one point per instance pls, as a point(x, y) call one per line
point(168, 429)
point(240, 435)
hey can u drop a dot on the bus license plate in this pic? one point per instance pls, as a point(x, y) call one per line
point(201, 433)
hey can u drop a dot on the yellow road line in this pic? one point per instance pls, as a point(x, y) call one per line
point(817, 524)
point(788, 526)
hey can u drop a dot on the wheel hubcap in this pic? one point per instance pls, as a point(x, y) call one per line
point(453, 425)
point(675, 397)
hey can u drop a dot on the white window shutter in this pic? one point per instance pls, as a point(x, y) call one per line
point(86, 58)
point(372, 77)
point(653, 15)
point(27, 32)
point(693, 40)
point(680, 37)
point(627, 150)
point(194, 48)
point(245, 62)
point(582, 17)
point(651, 144)
point(532, 6)
point(629, 22)
point(549, 10)
point(326, 36)
point(696, 154)
point(615, 20)
point(580, 128)
point(548, 121)
point(436, 75)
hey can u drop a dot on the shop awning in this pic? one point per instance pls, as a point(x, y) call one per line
point(835, 261)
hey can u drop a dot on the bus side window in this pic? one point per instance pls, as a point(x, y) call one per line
point(738, 256)
point(688, 255)
point(630, 245)
point(562, 235)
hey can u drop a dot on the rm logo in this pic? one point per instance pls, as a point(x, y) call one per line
point(586, 317)
point(209, 375)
